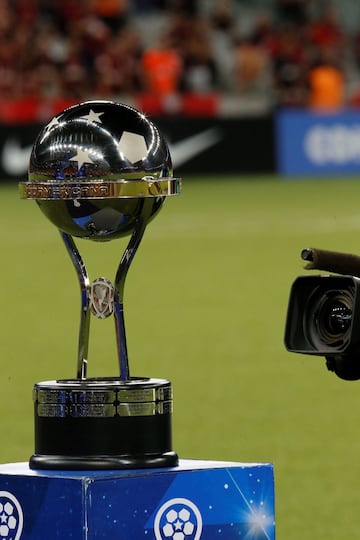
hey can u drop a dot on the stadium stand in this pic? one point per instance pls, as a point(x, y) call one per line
point(261, 52)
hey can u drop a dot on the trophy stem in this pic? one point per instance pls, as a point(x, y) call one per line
point(119, 285)
point(121, 273)
point(85, 313)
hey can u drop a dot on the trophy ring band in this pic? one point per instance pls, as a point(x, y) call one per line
point(105, 189)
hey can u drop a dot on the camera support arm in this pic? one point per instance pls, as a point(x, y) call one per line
point(331, 261)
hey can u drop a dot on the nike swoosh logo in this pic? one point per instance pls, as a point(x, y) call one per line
point(15, 158)
point(184, 150)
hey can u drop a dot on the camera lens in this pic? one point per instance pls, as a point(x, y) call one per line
point(330, 316)
point(334, 319)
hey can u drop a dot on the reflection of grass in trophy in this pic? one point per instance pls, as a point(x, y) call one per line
point(205, 304)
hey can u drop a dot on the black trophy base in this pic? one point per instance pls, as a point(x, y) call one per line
point(71, 463)
point(98, 424)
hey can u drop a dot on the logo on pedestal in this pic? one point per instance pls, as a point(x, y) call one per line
point(178, 519)
point(11, 517)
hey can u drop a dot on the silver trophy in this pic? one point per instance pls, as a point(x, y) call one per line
point(101, 170)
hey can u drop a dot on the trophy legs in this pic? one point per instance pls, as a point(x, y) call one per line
point(84, 282)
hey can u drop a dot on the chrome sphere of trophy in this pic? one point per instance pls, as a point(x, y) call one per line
point(100, 171)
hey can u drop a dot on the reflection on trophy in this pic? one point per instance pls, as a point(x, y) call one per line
point(100, 171)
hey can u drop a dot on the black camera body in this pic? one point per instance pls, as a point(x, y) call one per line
point(323, 319)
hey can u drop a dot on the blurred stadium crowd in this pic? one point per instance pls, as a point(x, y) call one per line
point(293, 52)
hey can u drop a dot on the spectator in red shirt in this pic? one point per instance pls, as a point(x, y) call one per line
point(162, 67)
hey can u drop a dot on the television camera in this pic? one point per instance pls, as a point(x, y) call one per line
point(323, 317)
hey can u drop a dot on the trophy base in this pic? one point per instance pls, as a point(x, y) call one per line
point(168, 459)
point(103, 424)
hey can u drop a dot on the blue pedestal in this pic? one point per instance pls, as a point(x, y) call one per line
point(197, 500)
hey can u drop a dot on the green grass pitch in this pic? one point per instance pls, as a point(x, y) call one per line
point(205, 304)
